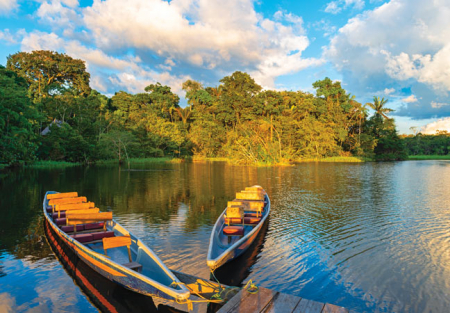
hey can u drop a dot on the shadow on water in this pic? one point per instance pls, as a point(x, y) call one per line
point(102, 293)
point(236, 271)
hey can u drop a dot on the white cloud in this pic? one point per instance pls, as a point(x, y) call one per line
point(334, 7)
point(410, 99)
point(12, 39)
point(156, 39)
point(439, 125)
point(438, 105)
point(7, 6)
point(207, 34)
point(400, 44)
point(388, 91)
point(433, 70)
point(59, 12)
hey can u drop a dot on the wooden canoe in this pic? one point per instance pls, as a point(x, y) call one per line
point(129, 262)
point(224, 247)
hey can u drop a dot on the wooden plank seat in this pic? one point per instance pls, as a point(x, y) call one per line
point(233, 230)
point(67, 200)
point(249, 206)
point(75, 219)
point(62, 195)
point(134, 266)
point(121, 241)
point(73, 206)
point(247, 220)
point(61, 214)
point(256, 189)
point(59, 220)
point(250, 195)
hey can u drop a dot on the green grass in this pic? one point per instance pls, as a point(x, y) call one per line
point(140, 161)
point(204, 159)
point(429, 157)
point(336, 159)
point(51, 164)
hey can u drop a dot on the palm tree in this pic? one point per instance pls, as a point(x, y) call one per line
point(378, 106)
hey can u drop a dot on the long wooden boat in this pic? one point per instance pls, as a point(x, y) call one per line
point(109, 248)
point(238, 225)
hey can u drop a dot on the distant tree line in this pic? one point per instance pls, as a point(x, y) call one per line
point(236, 120)
point(420, 144)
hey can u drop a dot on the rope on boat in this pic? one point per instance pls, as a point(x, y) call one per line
point(250, 287)
point(220, 296)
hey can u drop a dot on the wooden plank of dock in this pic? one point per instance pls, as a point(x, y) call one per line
point(269, 301)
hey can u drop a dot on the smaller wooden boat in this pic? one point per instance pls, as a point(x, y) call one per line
point(108, 248)
point(238, 226)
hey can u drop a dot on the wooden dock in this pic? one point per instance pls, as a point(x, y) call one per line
point(264, 301)
point(269, 301)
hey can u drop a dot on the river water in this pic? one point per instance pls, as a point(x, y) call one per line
point(371, 237)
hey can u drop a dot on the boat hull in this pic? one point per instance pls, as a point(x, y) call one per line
point(115, 272)
point(215, 259)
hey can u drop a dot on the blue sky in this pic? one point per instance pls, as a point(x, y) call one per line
point(398, 49)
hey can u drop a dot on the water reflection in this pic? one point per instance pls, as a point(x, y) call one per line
point(235, 272)
point(370, 237)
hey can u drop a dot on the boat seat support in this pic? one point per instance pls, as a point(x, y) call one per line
point(135, 266)
point(115, 242)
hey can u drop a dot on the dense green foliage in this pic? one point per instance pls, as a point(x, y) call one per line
point(438, 144)
point(18, 119)
point(237, 120)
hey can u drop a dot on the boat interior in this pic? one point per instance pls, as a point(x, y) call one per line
point(242, 215)
point(98, 231)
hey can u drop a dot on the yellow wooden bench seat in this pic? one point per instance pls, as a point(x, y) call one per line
point(84, 218)
point(67, 200)
point(62, 195)
point(116, 242)
point(73, 206)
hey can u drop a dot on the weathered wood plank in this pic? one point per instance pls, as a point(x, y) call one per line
point(234, 302)
point(255, 303)
point(309, 306)
point(331, 308)
point(282, 303)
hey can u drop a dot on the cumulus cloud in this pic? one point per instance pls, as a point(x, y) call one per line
point(164, 40)
point(388, 91)
point(410, 99)
point(6, 6)
point(209, 34)
point(11, 38)
point(434, 127)
point(59, 12)
point(335, 7)
point(438, 105)
point(402, 45)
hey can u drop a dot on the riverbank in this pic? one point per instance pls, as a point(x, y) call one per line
point(137, 161)
point(428, 157)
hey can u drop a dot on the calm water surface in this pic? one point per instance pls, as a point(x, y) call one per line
point(369, 237)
